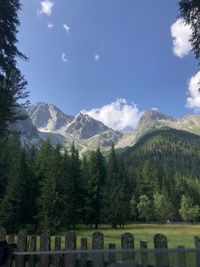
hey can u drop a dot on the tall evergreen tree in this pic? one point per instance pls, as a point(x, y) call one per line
point(14, 212)
point(190, 12)
point(117, 197)
point(47, 197)
point(12, 82)
point(75, 187)
point(95, 188)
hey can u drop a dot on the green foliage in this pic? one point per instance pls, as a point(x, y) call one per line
point(95, 188)
point(117, 197)
point(188, 211)
point(190, 12)
point(145, 208)
point(162, 207)
point(12, 82)
point(56, 189)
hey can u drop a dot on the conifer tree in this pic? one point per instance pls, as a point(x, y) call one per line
point(14, 207)
point(47, 197)
point(95, 188)
point(12, 82)
point(75, 187)
point(117, 197)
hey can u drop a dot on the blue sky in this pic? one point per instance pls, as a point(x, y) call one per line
point(86, 54)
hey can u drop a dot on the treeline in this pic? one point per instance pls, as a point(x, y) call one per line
point(58, 190)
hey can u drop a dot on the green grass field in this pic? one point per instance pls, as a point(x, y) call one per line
point(178, 234)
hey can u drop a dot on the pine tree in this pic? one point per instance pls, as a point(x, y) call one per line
point(75, 188)
point(14, 207)
point(12, 83)
point(117, 198)
point(47, 198)
point(95, 188)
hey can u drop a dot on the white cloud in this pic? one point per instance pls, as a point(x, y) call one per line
point(50, 26)
point(96, 57)
point(181, 33)
point(67, 28)
point(119, 115)
point(156, 109)
point(46, 7)
point(64, 57)
point(193, 100)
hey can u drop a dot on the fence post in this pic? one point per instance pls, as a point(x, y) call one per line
point(112, 255)
point(144, 254)
point(181, 256)
point(197, 246)
point(45, 245)
point(2, 233)
point(33, 242)
point(70, 244)
point(83, 261)
point(97, 243)
point(162, 258)
point(56, 257)
point(21, 247)
point(127, 242)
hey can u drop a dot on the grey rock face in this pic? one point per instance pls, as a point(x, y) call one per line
point(150, 119)
point(84, 127)
point(28, 132)
point(47, 117)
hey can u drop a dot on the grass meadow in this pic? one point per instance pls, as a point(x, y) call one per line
point(177, 234)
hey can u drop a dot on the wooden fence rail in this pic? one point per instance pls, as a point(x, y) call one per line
point(48, 251)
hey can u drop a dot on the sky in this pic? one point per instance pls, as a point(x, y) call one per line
point(112, 59)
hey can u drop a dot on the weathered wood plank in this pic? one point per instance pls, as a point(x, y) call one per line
point(32, 248)
point(181, 256)
point(83, 258)
point(45, 245)
point(161, 257)
point(56, 258)
point(144, 254)
point(197, 246)
point(70, 244)
point(97, 243)
point(112, 255)
point(127, 242)
point(21, 247)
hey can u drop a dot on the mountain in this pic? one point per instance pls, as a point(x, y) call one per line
point(47, 117)
point(153, 119)
point(29, 134)
point(86, 132)
point(46, 121)
point(83, 127)
point(165, 146)
point(150, 119)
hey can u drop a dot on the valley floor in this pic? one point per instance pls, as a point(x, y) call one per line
point(178, 234)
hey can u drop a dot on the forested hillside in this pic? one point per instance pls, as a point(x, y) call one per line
point(179, 150)
point(156, 180)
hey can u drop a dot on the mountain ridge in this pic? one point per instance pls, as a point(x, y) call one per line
point(49, 122)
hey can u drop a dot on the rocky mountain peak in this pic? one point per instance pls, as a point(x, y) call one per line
point(83, 126)
point(47, 117)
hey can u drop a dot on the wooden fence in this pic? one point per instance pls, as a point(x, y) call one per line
point(30, 254)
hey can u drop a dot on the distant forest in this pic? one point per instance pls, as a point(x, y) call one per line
point(155, 180)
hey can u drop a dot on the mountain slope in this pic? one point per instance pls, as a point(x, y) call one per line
point(47, 117)
point(152, 119)
point(179, 149)
point(83, 126)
